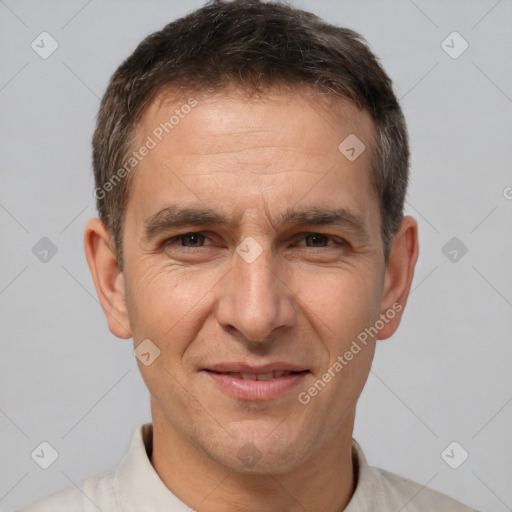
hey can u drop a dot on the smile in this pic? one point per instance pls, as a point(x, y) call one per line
point(259, 376)
point(256, 386)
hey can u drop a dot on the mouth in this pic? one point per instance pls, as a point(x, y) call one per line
point(260, 376)
point(254, 385)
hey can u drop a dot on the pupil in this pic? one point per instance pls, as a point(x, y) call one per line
point(193, 239)
point(317, 238)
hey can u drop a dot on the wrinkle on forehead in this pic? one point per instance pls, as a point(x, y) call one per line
point(226, 134)
point(329, 109)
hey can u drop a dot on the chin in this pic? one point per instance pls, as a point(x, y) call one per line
point(258, 453)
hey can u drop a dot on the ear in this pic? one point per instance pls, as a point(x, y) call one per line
point(108, 279)
point(398, 276)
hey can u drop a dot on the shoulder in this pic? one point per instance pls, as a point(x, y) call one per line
point(378, 489)
point(86, 496)
point(110, 490)
point(412, 496)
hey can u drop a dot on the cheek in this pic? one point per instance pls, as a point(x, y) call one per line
point(164, 305)
point(340, 304)
point(341, 308)
point(167, 303)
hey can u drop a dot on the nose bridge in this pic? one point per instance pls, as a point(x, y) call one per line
point(257, 301)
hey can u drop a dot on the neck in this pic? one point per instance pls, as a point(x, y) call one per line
point(324, 482)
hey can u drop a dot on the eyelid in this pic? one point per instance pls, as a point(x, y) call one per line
point(300, 236)
point(310, 233)
point(176, 238)
point(338, 240)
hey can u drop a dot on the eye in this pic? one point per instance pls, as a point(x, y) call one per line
point(192, 240)
point(319, 240)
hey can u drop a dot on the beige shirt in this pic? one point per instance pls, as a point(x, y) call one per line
point(134, 486)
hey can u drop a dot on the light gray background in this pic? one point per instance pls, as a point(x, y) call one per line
point(444, 376)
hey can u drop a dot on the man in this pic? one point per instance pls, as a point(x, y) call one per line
point(251, 164)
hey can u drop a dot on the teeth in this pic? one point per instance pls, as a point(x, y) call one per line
point(260, 376)
point(265, 376)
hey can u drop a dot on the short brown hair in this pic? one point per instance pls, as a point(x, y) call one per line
point(256, 46)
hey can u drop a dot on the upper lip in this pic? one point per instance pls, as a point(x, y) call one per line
point(256, 369)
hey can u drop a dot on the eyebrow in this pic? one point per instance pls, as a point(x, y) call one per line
point(176, 216)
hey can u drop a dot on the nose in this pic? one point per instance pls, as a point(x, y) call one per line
point(256, 299)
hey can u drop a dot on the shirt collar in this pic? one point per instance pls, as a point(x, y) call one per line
point(363, 498)
point(138, 486)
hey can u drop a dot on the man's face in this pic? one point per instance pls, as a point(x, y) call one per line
point(206, 300)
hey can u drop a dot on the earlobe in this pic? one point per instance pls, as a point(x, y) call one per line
point(399, 274)
point(107, 277)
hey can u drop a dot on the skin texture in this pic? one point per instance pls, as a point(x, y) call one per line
point(303, 300)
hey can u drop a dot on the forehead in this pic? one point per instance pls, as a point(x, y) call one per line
point(231, 116)
point(243, 152)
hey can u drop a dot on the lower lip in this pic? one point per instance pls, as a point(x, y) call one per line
point(256, 389)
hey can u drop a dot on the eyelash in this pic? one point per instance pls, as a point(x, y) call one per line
point(337, 241)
